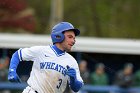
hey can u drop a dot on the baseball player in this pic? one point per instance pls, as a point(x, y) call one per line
point(52, 66)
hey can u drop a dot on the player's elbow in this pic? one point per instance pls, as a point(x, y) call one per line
point(76, 86)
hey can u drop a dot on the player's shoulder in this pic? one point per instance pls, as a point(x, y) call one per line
point(72, 61)
point(70, 57)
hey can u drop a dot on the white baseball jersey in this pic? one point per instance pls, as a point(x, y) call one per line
point(49, 68)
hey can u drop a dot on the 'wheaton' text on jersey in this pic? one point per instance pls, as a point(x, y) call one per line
point(53, 66)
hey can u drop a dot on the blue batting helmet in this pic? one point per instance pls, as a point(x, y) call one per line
point(57, 31)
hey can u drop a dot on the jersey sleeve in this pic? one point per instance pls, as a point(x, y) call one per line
point(28, 54)
point(78, 73)
point(74, 65)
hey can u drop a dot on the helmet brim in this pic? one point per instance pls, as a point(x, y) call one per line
point(76, 31)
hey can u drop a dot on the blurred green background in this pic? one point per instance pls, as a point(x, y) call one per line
point(98, 18)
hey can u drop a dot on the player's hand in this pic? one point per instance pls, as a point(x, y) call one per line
point(71, 73)
point(13, 77)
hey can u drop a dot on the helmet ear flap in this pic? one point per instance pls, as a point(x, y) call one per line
point(57, 37)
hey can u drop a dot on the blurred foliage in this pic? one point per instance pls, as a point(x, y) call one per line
point(42, 10)
point(105, 18)
point(16, 16)
point(98, 18)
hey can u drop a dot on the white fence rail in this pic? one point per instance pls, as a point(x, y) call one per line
point(83, 44)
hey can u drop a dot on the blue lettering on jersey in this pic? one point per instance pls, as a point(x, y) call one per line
point(53, 66)
point(48, 65)
point(56, 67)
point(42, 65)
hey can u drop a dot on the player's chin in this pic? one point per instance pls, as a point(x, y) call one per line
point(68, 49)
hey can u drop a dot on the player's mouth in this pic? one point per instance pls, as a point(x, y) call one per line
point(70, 45)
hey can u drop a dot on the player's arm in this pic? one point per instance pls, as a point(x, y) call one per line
point(74, 83)
point(26, 54)
point(12, 75)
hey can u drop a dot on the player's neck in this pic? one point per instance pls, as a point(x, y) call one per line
point(59, 46)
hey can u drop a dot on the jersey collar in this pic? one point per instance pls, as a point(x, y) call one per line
point(57, 51)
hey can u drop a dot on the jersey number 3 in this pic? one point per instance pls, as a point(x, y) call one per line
point(60, 82)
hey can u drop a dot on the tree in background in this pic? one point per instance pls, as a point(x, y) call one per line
point(16, 16)
point(105, 18)
point(95, 18)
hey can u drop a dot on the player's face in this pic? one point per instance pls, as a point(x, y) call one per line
point(69, 40)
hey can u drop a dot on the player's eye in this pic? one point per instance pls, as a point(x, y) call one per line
point(70, 36)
